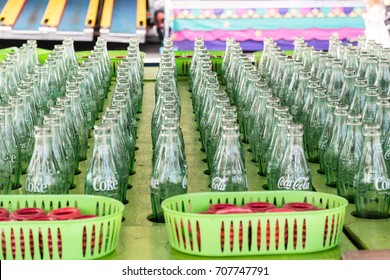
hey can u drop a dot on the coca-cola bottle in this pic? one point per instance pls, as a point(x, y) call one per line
point(293, 172)
point(372, 195)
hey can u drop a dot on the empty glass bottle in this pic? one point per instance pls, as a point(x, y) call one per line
point(359, 96)
point(349, 157)
point(326, 135)
point(332, 152)
point(102, 176)
point(65, 168)
point(23, 127)
point(169, 175)
point(43, 173)
point(383, 79)
point(228, 171)
point(277, 148)
point(293, 172)
point(372, 195)
point(370, 105)
point(348, 89)
point(120, 154)
point(315, 125)
point(372, 70)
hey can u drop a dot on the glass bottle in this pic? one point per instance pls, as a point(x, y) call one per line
point(370, 105)
point(359, 96)
point(299, 97)
point(23, 128)
point(228, 172)
point(347, 92)
point(383, 79)
point(372, 70)
point(215, 129)
point(43, 173)
point(169, 175)
point(336, 80)
point(119, 150)
point(80, 121)
point(308, 100)
point(11, 147)
point(226, 57)
point(277, 146)
point(382, 116)
point(372, 195)
point(349, 157)
point(102, 177)
point(326, 135)
point(361, 72)
point(293, 86)
point(64, 165)
point(261, 133)
point(286, 79)
point(332, 152)
point(315, 125)
point(293, 172)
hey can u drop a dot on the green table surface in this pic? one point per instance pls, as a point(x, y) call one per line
point(141, 239)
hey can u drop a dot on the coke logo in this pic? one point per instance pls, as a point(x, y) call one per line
point(382, 184)
point(34, 187)
point(100, 185)
point(218, 183)
point(301, 183)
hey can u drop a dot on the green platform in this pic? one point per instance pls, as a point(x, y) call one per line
point(143, 240)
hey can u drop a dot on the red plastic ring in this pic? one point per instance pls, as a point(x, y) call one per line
point(259, 207)
point(27, 213)
point(4, 212)
point(299, 206)
point(215, 207)
point(66, 213)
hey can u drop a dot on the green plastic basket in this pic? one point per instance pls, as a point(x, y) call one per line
point(54, 240)
point(257, 233)
point(183, 61)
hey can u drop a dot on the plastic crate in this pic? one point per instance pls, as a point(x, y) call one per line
point(183, 61)
point(255, 233)
point(68, 239)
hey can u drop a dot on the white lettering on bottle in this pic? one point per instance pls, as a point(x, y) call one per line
point(301, 183)
point(11, 158)
point(184, 184)
point(33, 187)
point(218, 183)
point(323, 145)
point(153, 183)
point(100, 185)
point(382, 184)
point(387, 155)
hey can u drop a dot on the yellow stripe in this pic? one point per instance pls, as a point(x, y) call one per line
point(107, 14)
point(53, 13)
point(141, 13)
point(90, 20)
point(11, 11)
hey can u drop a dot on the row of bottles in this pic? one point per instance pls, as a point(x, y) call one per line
point(218, 125)
point(266, 122)
point(341, 100)
point(46, 124)
point(169, 165)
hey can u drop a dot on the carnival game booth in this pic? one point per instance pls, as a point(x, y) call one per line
point(249, 22)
